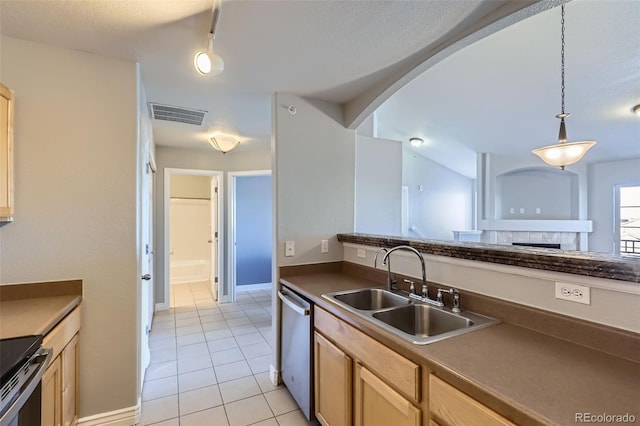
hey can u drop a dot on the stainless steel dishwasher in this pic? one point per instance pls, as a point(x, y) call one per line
point(297, 348)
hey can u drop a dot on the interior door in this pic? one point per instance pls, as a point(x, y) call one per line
point(146, 314)
point(214, 241)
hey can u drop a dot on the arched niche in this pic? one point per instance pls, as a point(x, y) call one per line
point(537, 193)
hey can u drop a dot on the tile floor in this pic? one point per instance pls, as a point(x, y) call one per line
point(210, 364)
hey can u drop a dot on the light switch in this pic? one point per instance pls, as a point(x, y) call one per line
point(324, 246)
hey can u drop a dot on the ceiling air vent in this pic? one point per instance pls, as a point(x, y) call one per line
point(176, 114)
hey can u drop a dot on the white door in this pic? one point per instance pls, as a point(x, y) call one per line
point(146, 258)
point(214, 237)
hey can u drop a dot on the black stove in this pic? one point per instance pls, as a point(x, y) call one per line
point(14, 353)
point(22, 363)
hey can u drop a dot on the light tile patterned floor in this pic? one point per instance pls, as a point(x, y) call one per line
point(210, 364)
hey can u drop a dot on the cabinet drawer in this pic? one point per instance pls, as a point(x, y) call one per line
point(449, 406)
point(396, 370)
point(62, 334)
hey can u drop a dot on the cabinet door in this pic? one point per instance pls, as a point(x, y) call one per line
point(377, 404)
point(69, 358)
point(333, 380)
point(51, 397)
point(6, 153)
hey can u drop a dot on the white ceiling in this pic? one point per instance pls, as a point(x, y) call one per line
point(337, 50)
point(501, 94)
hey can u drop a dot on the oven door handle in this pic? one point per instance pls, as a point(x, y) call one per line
point(43, 357)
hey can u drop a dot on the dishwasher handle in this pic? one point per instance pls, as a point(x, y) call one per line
point(302, 310)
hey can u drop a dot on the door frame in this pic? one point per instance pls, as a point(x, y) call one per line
point(219, 175)
point(231, 226)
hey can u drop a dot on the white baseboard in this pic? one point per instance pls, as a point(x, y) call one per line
point(164, 306)
point(274, 376)
point(253, 287)
point(123, 417)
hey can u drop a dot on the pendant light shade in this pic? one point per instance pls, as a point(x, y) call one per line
point(563, 153)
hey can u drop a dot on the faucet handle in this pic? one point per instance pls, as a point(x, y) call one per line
point(425, 291)
point(441, 290)
point(456, 302)
point(412, 286)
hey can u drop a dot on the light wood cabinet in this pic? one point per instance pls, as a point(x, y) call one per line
point(377, 404)
point(449, 406)
point(6, 154)
point(333, 383)
point(51, 397)
point(69, 360)
point(358, 378)
point(60, 381)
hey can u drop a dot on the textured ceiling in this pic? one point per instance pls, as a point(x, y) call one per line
point(479, 99)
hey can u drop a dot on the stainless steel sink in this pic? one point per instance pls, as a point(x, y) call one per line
point(371, 299)
point(409, 319)
point(423, 320)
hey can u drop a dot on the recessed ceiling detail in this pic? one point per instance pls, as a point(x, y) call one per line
point(176, 114)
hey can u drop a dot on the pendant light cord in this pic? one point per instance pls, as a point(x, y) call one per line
point(562, 60)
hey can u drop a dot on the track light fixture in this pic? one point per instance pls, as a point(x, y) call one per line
point(207, 62)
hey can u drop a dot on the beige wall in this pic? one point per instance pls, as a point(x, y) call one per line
point(315, 175)
point(187, 186)
point(75, 214)
point(180, 158)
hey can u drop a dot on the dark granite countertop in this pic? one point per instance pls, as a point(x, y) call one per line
point(572, 262)
point(527, 376)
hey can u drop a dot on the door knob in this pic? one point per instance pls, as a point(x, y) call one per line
point(146, 277)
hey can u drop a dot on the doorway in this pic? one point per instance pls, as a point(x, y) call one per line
point(193, 221)
point(250, 231)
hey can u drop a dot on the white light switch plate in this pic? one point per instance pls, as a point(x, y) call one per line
point(573, 293)
point(324, 246)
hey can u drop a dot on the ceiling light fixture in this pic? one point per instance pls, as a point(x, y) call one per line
point(563, 154)
point(224, 144)
point(416, 142)
point(636, 109)
point(207, 62)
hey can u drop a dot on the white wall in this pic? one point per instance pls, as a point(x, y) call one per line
point(445, 203)
point(75, 196)
point(602, 179)
point(190, 231)
point(180, 158)
point(315, 178)
point(378, 186)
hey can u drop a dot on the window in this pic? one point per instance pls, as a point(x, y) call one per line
point(630, 220)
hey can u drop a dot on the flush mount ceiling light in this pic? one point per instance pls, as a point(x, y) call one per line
point(636, 109)
point(207, 62)
point(223, 143)
point(416, 142)
point(563, 154)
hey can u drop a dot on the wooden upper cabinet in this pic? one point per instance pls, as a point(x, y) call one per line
point(6, 154)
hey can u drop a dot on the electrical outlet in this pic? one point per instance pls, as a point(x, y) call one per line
point(521, 210)
point(573, 293)
point(512, 210)
point(289, 248)
point(324, 246)
point(362, 253)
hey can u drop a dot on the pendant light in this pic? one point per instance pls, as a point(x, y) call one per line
point(563, 153)
point(207, 62)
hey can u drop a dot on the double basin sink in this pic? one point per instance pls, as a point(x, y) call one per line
point(407, 318)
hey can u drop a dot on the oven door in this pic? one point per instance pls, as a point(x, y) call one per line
point(25, 395)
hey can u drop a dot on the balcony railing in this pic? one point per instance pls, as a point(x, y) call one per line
point(630, 246)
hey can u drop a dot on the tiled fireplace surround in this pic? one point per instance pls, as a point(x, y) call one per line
point(567, 240)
